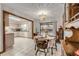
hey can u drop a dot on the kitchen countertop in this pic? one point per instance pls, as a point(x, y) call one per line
point(9, 33)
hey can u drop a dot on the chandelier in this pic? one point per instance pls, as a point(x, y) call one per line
point(42, 15)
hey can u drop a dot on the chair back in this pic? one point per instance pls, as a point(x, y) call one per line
point(42, 44)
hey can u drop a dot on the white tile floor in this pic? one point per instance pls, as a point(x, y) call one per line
point(25, 47)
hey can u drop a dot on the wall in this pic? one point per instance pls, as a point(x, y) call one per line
point(29, 31)
point(67, 12)
point(37, 26)
point(1, 30)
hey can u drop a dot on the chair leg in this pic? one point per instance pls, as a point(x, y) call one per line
point(56, 47)
point(45, 52)
point(47, 49)
point(35, 47)
point(36, 52)
point(52, 50)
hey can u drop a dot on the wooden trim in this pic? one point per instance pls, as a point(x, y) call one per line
point(3, 32)
point(4, 27)
point(32, 30)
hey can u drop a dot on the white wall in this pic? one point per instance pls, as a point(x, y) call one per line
point(37, 26)
point(67, 11)
point(60, 23)
point(29, 28)
point(1, 30)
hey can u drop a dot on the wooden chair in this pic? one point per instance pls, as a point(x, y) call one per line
point(42, 46)
point(52, 45)
point(35, 34)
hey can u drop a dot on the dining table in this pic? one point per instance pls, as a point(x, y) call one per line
point(51, 43)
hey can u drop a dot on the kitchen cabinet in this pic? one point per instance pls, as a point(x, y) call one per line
point(9, 40)
point(20, 34)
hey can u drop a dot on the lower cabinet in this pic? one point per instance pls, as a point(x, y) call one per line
point(21, 34)
point(9, 40)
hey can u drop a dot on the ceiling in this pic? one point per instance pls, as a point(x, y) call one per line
point(54, 10)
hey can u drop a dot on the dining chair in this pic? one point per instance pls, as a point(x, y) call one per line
point(42, 46)
point(52, 44)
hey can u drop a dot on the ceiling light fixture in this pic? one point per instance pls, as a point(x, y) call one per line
point(42, 15)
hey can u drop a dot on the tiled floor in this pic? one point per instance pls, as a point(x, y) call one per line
point(25, 47)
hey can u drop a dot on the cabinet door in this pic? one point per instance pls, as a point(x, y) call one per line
point(9, 40)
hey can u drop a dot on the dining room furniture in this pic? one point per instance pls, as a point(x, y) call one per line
point(51, 42)
point(42, 46)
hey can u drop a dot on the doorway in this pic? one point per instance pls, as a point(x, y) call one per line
point(15, 27)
